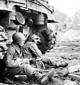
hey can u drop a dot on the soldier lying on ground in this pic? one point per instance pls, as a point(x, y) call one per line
point(32, 51)
point(16, 64)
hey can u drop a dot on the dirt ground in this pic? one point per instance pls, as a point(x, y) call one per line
point(63, 52)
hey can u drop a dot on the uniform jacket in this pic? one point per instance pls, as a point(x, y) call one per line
point(13, 53)
point(33, 50)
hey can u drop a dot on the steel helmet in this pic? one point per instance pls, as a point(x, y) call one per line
point(18, 37)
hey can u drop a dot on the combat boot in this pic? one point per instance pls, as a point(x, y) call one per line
point(47, 77)
point(44, 77)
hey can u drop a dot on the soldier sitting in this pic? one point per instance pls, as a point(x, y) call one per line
point(31, 49)
point(17, 64)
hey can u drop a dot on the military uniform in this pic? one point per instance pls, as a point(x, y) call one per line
point(15, 62)
point(32, 50)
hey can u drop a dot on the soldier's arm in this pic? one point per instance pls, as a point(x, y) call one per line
point(10, 61)
point(35, 50)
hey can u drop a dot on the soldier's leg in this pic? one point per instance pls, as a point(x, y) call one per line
point(28, 69)
point(51, 62)
point(43, 77)
point(47, 61)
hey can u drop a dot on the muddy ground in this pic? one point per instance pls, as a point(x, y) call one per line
point(68, 52)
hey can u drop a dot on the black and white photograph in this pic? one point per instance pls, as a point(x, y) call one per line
point(39, 42)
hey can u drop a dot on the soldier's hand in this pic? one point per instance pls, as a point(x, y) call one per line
point(19, 61)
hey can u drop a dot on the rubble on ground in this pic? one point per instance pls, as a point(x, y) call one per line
point(63, 75)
